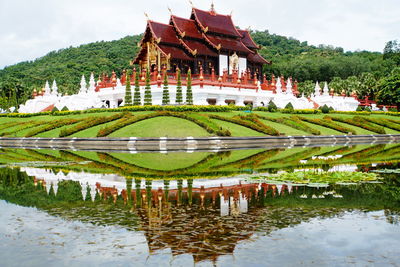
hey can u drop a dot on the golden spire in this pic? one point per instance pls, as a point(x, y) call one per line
point(146, 15)
point(170, 10)
point(212, 6)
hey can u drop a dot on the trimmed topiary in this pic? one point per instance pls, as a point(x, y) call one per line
point(64, 109)
point(289, 106)
point(178, 99)
point(325, 109)
point(147, 90)
point(136, 95)
point(128, 92)
point(189, 93)
point(165, 100)
point(272, 107)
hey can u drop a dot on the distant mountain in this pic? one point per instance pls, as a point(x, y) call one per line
point(290, 57)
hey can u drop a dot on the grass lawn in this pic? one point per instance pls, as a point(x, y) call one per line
point(159, 161)
point(161, 127)
point(237, 130)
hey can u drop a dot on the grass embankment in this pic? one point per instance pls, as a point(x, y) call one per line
point(196, 124)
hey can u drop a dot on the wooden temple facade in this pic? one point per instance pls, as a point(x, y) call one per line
point(207, 42)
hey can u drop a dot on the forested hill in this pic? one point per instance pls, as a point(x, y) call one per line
point(290, 57)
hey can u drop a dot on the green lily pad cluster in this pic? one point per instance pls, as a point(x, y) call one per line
point(313, 177)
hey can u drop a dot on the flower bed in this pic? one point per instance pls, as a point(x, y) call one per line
point(384, 122)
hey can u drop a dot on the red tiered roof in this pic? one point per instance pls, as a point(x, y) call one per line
point(247, 40)
point(256, 58)
point(199, 48)
point(174, 52)
point(186, 26)
point(216, 23)
point(164, 32)
point(227, 43)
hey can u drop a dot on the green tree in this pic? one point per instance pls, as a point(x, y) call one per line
point(392, 51)
point(178, 99)
point(147, 90)
point(368, 85)
point(353, 84)
point(389, 89)
point(128, 92)
point(306, 87)
point(338, 85)
point(136, 95)
point(165, 100)
point(189, 93)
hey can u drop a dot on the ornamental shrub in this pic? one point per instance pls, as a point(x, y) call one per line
point(51, 126)
point(165, 100)
point(272, 107)
point(54, 109)
point(178, 99)
point(294, 123)
point(64, 108)
point(147, 90)
point(189, 93)
point(136, 96)
point(128, 92)
point(289, 106)
point(359, 108)
point(325, 109)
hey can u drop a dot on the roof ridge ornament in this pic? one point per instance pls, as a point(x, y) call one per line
point(212, 9)
point(146, 15)
point(170, 10)
point(191, 3)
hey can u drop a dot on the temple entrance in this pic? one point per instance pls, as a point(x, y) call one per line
point(212, 101)
point(248, 103)
point(119, 102)
point(233, 102)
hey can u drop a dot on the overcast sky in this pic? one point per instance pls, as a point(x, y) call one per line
point(32, 28)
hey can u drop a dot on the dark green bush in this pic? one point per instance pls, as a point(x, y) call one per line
point(272, 107)
point(325, 109)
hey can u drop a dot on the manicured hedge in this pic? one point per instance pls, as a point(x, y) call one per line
point(359, 122)
point(248, 123)
point(51, 126)
point(384, 122)
point(294, 123)
point(328, 124)
point(254, 119)
point(90, 122)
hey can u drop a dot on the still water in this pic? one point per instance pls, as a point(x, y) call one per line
point(74, 208)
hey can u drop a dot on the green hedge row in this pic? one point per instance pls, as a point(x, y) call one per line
point(254, 119)
point(26, 125)
point(328, 124)
point(51, 126)
point(384, 122)
point(359, 122)
point(89, 122)
point(220, 131)
point(294, 123)
point(247, 124)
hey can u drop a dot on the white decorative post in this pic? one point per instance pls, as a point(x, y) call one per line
point(317, 89)
point(278, 86)
point(289, 87)
point(326, 89)
point(92, 84)
point(54, 88)
point(47, 90)
point(83, 86)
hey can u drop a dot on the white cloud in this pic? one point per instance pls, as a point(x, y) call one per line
point(31, 29)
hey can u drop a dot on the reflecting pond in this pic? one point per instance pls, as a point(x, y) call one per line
point(230, 208)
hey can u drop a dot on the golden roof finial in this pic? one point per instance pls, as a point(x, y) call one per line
point(212, 6)
point(170, 10)
point(146, 15)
